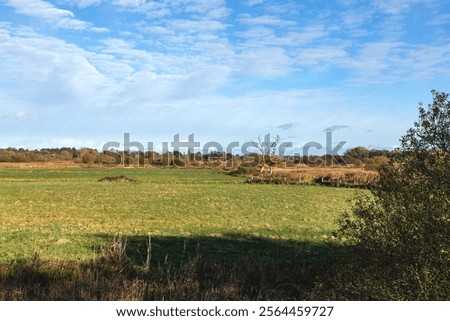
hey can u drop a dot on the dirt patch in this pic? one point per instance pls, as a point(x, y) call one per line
point(118, 179)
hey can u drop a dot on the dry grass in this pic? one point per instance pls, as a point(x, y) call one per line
point(332, 176)
point(43, 165)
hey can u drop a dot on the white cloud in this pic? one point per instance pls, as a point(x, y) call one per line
point(83, 3)
point(212, 9)
point(59, 73)
point(38, 8)
point(199, 66)
point(287, 126)
point(21, 115)
point(439, 20)
point(99, 29)
point(335, 128)
point(204, 9)
point(265, 20)
point(16, 115)
point(357, 17)
point(323, 56)
point(388, 61)
point(268, 62)
point(348, 2)
point(129, 3)
point(48, 70)
point(46, 11)
point(127, 51)
point(397, 7)
point(196, 26)
point(253, 2)
point(265, 36)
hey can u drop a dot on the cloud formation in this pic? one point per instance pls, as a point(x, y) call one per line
point(46, 11)
point(335, 128)
point(287, 126)
point(220, 67)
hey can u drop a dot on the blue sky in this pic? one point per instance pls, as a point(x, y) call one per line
point(80, 73)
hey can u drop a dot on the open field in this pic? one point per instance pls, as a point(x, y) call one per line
point(68, 214)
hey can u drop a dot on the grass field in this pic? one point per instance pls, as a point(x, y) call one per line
point(68, 214)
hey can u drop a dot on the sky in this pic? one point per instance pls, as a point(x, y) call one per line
point(80, 73)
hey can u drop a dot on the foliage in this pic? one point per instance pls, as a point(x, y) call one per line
point(400, 234)
point(374, 163)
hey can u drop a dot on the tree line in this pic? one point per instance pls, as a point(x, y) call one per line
point(360, 156)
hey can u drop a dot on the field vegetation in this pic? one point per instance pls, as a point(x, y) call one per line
point(68, 213)
point(61, 228)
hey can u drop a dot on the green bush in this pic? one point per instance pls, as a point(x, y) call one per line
point(399, 236)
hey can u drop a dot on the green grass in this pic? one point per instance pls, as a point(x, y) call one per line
point(67, 213)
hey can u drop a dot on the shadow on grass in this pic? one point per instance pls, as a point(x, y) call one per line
point(229, 267)
point(224, 248)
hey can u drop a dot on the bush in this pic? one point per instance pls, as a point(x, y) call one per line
point(90, 156)
point(374, 163)
point(6, 156)
point(399, 236)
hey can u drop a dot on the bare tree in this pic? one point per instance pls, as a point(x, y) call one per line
point(267, 149)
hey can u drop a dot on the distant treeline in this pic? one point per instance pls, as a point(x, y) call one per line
point(358, 156)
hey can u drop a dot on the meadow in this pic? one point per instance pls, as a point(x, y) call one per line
point(67, 214)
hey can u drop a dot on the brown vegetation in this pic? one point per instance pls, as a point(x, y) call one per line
point(44, 165)
point(330, 176)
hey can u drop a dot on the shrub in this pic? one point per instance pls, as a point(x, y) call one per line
point(374, 163)
point(6, 156)
point(399, 236)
